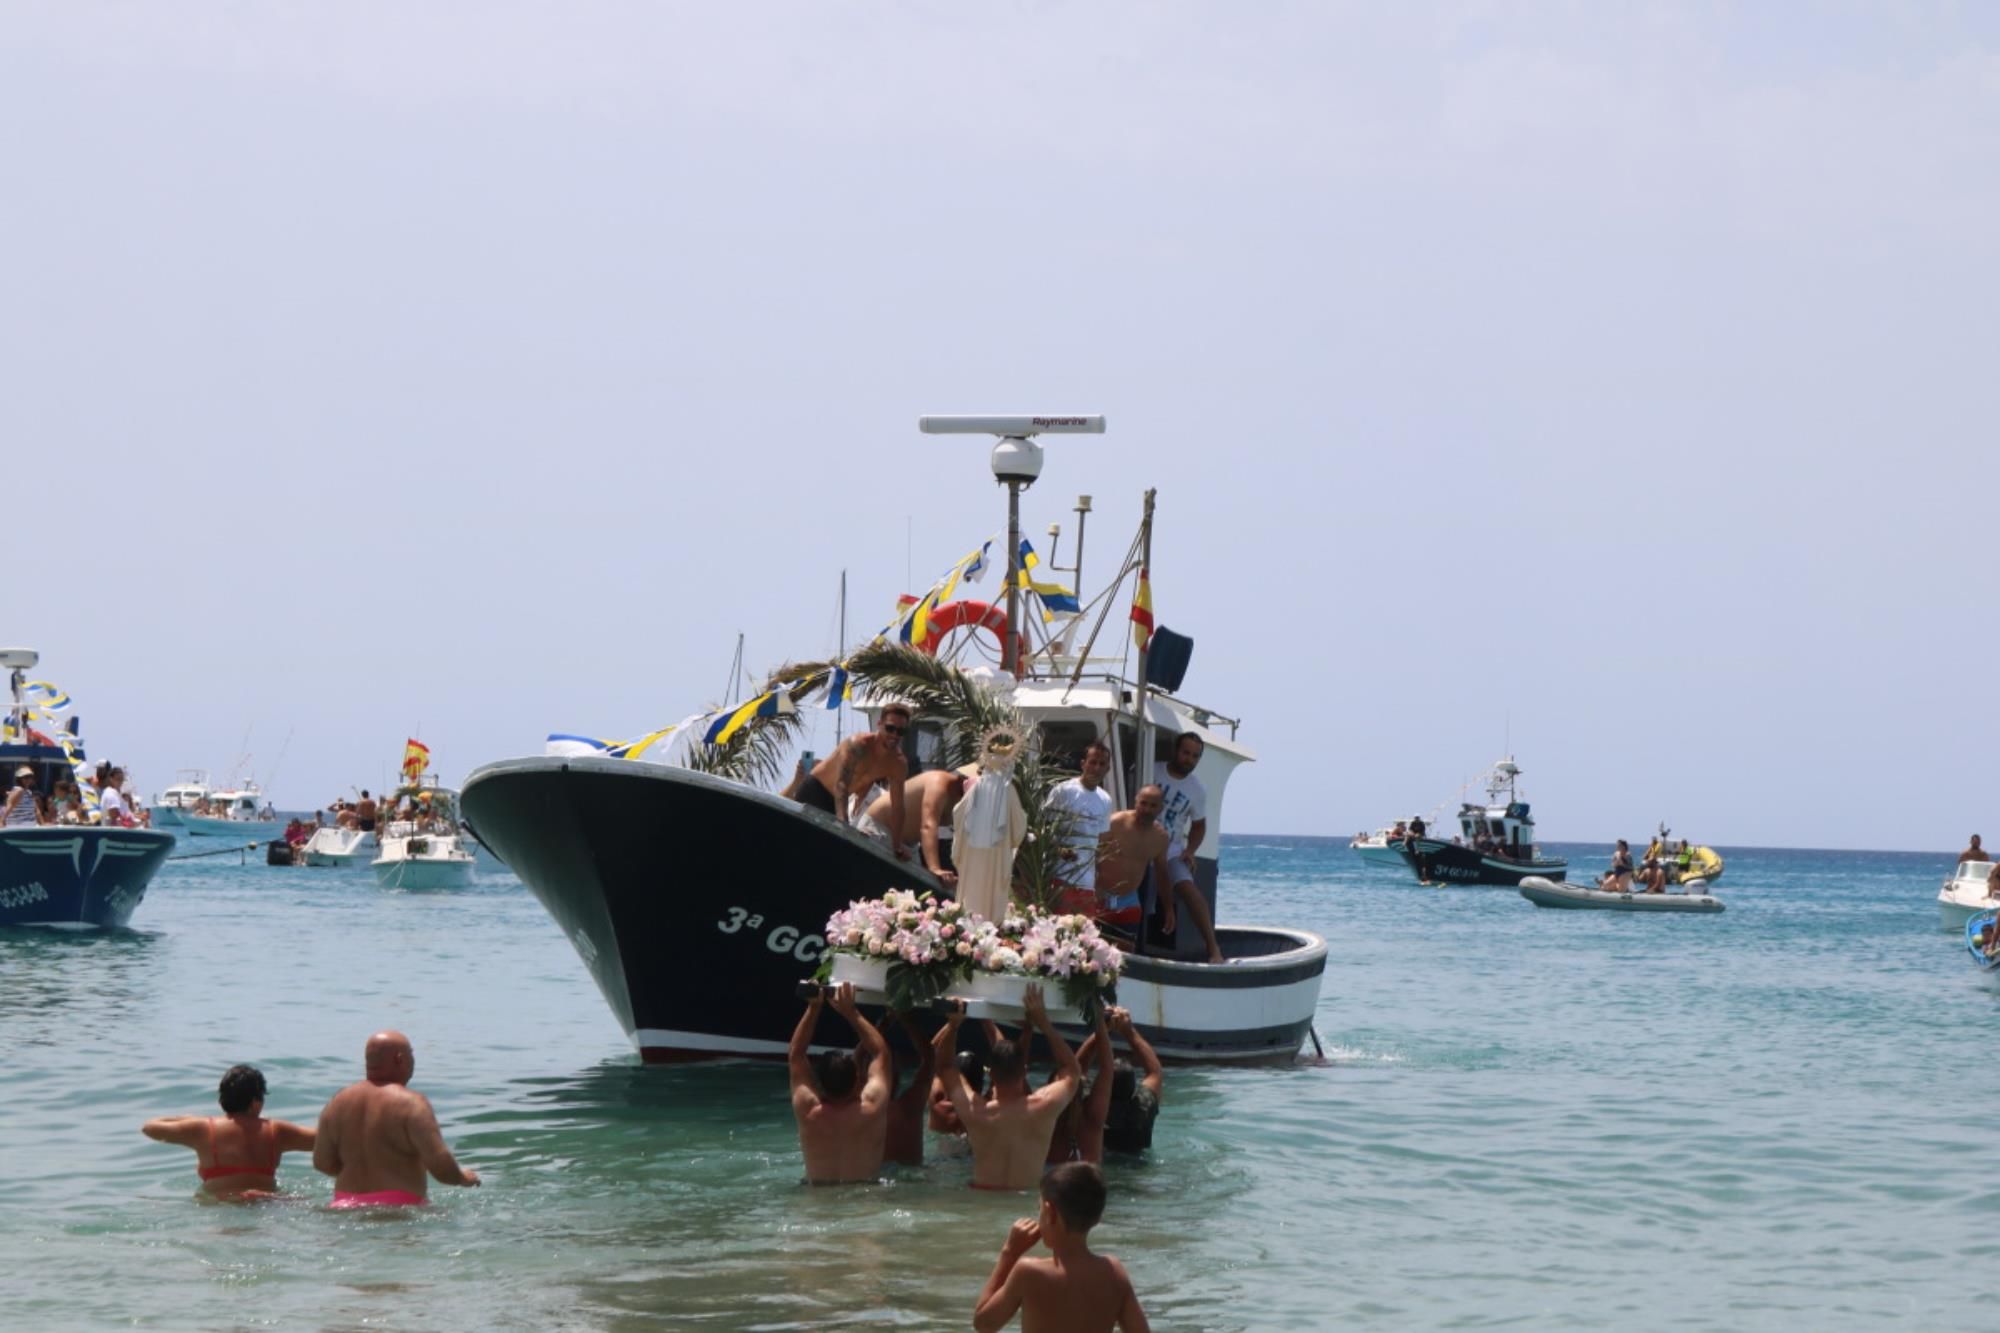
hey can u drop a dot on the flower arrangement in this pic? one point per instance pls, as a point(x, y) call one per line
point(930, 944)
point(1067, 950)
point(925, 940)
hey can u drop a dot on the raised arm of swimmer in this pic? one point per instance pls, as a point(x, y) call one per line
point(944, 1050)
point(881, 1082)
point(1063, 1083)
point(1149, 1060)
point(798, 1058)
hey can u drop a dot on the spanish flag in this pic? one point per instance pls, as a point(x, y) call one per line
point(1142, 612)
point(416, 758)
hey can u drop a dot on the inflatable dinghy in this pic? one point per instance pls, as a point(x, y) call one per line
point(1976, 932)
point(1547, 893)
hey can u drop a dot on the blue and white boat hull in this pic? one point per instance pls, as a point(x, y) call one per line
point(69, 875)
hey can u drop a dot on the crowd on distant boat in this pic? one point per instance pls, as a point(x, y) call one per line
point(64, 803)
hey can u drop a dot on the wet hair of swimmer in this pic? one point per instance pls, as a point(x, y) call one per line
point(242, 1087)
point(1008, 1060)
point(837, 1071)
point(1076, 1191)
point(1124, 1081)
point(974, 1073)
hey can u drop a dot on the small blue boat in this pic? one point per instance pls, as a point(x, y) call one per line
point(1976, 929)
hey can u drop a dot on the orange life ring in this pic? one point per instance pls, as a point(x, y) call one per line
point(971, 615)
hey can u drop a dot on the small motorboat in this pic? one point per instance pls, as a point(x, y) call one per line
point(1980, 941)
point(233, 814)
point(183, 795)
point(1965, 894)
point(424, 847)
point(334, 846)
point(1547, 893)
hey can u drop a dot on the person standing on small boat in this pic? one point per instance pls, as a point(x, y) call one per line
point(237, 1152)
point(1411, 836)
point(858, 763)
point(1133, 845)
point(1185, 817)
point(1089, 807)
point(841, 1102)
point(379, 1140)
point(1975, 852)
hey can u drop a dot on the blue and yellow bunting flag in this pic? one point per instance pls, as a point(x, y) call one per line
point(771, 703)
point(837, 688)
point(1056, 600)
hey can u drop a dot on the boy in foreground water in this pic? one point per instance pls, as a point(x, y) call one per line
point(1072, 1291)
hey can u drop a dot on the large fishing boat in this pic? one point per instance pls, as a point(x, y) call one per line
point(1495, 845)
point(86, 873)
point(697, 901)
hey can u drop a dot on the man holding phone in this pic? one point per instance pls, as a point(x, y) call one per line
point(858, 763)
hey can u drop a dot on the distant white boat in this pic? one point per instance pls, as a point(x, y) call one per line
point(1547, 893)
point(169, 806)
point(332, 846)
point(429, 852)
point(1964, 895)
point(234, 814)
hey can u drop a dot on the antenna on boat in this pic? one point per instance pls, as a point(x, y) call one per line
point(733, 691)
point(1017, 462)
point(840, 650)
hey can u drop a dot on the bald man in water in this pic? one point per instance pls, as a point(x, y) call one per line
point(380, 1141)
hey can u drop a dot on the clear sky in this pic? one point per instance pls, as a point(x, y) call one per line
point(1614, 378)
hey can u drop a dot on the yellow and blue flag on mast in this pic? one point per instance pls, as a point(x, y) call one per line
point(1056, 600)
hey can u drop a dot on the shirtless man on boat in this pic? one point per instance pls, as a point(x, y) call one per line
point(1137, 842)
point(858, 763)
point(379, 1140)
point(928, 800)
point(840, 1101)
point(1010, 1134)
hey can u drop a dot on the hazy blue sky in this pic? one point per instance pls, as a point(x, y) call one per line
point(1620, 374)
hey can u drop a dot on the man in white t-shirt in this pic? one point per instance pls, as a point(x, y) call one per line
point(1089, 807)
point(1186, 822)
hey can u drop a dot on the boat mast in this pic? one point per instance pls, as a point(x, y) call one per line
point(839, 652)
point(731, 691)
point(1142, 762)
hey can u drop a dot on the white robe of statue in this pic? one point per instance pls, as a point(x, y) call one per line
point(988, 823)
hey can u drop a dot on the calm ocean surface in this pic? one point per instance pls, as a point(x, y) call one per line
point(1781, 1117)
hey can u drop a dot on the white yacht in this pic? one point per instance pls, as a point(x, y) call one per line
point(184, 795)
point(427, 851)
point(1964, 895)
point(243, 813)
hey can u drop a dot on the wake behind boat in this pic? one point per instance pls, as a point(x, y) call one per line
point(1548, 893)
point(697, 899)
point(88, 872)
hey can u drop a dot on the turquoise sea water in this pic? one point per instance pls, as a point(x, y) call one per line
point(1778, 1117)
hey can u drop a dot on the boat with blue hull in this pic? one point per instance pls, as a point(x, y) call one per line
point(85, 874)
point(1495, 844)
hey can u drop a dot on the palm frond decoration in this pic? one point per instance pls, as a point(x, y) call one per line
point(968, 711)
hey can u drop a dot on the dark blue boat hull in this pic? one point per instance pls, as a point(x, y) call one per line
point(68, 875)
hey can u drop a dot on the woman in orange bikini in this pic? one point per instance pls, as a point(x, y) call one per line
point(237, 1152)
